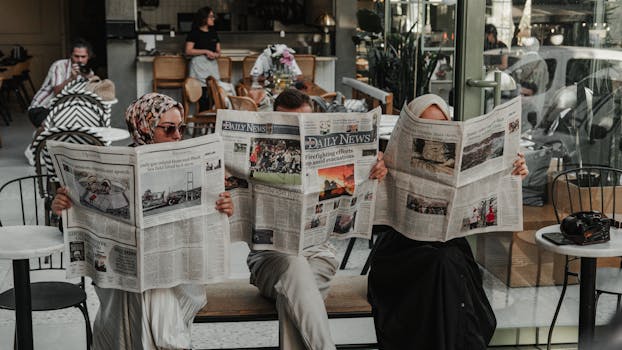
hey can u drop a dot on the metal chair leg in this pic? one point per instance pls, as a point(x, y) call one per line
point(559, 305)
point(346, 256)
point(89, 332)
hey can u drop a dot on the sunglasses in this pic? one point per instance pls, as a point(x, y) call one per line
point(170, 129)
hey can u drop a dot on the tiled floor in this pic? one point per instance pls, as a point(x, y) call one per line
point(523, 314)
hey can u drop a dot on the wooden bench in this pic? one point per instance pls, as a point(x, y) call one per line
point(374, 96)
point(239, 301)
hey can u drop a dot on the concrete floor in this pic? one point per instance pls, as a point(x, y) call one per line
point(523, 314)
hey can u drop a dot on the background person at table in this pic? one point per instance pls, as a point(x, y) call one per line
point(429, 295)
point(203, 45)
point(61, 73)
point(265, 66)
point(128, 320)
point(299, 284)
point(498, 59)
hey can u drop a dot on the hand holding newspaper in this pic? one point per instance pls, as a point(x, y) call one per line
point(296, 179)
point(451, 179)
point(144, 217)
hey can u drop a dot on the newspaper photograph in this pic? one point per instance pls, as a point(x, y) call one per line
point(452, 179)
point(305, 176)
point(144, 217)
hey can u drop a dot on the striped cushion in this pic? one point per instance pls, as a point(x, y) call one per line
point(54, 133)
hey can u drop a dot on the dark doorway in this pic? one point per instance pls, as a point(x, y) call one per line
point(87, 19)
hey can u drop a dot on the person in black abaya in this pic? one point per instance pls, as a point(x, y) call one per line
point(429, 294)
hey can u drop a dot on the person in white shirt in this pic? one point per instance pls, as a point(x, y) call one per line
point(61, 73)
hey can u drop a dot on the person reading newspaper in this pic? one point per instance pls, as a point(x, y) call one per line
point(299, 284)
point(429, 294)
point(128, 320)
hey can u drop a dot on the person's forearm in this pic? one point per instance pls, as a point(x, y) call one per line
point(197, 52)
point(58, 88)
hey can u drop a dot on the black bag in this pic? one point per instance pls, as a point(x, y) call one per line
point(586, 227)
point(19, 53)
point(330, 107)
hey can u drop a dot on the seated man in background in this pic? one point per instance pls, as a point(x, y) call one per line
point(299, 283)
point(61, 73)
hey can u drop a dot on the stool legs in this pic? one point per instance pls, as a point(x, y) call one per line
point(23, 304)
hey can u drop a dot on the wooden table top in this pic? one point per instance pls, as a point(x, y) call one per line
point(8, 72)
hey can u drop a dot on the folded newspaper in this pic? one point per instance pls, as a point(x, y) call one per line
point(144, 217)
point(297, 179)
point(452, 179)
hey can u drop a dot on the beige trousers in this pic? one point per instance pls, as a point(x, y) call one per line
point(299, 285)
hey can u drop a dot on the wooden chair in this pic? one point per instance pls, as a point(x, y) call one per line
point(307, 66)
point(224, 68)
point(241, 89)
point(216, 93)
point(242, 103)
point(201, 120)
point(374, 96)
point(169, 72)
point(328, 98)
point(31, 206)
point(247, 64)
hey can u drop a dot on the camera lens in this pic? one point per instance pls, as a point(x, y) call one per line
point(84, 69)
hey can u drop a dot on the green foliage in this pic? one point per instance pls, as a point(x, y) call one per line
point(396, 61)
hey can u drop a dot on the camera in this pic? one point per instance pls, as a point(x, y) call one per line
point(84, 69)
point(586, 227)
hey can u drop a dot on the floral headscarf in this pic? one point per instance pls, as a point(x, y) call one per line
point(142, 115)
point(421, 103)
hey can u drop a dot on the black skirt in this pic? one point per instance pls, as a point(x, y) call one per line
point(428, 295)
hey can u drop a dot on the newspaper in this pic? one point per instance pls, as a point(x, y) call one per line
point(298, 179)
point(452, 179)
point(144, 217)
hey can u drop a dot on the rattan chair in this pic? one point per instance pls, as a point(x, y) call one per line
point(224, 68)
point(216, 94)
point(169, 72)
point(247, 64)
point(202, 121)
point(31, 206)
point(77, 108)
point(241, 89)
point(306, 63)
point(242, 103)
point(75, 134)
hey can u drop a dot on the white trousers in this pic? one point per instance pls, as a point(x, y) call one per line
point(299, 285)
point(155, 319)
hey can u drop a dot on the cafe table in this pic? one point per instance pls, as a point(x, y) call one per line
point(587, 287)
point(111, 134)
point(20, 243)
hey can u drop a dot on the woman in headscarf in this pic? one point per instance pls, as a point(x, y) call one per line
point(429, 294)
point(127, 320)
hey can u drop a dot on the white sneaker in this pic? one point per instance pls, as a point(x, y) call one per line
point(30, 155)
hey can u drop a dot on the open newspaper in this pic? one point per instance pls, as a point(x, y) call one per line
point(452, 179)
point(297, 179)
point(144, 217)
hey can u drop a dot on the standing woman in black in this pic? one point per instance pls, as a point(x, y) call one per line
point(203, 45)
